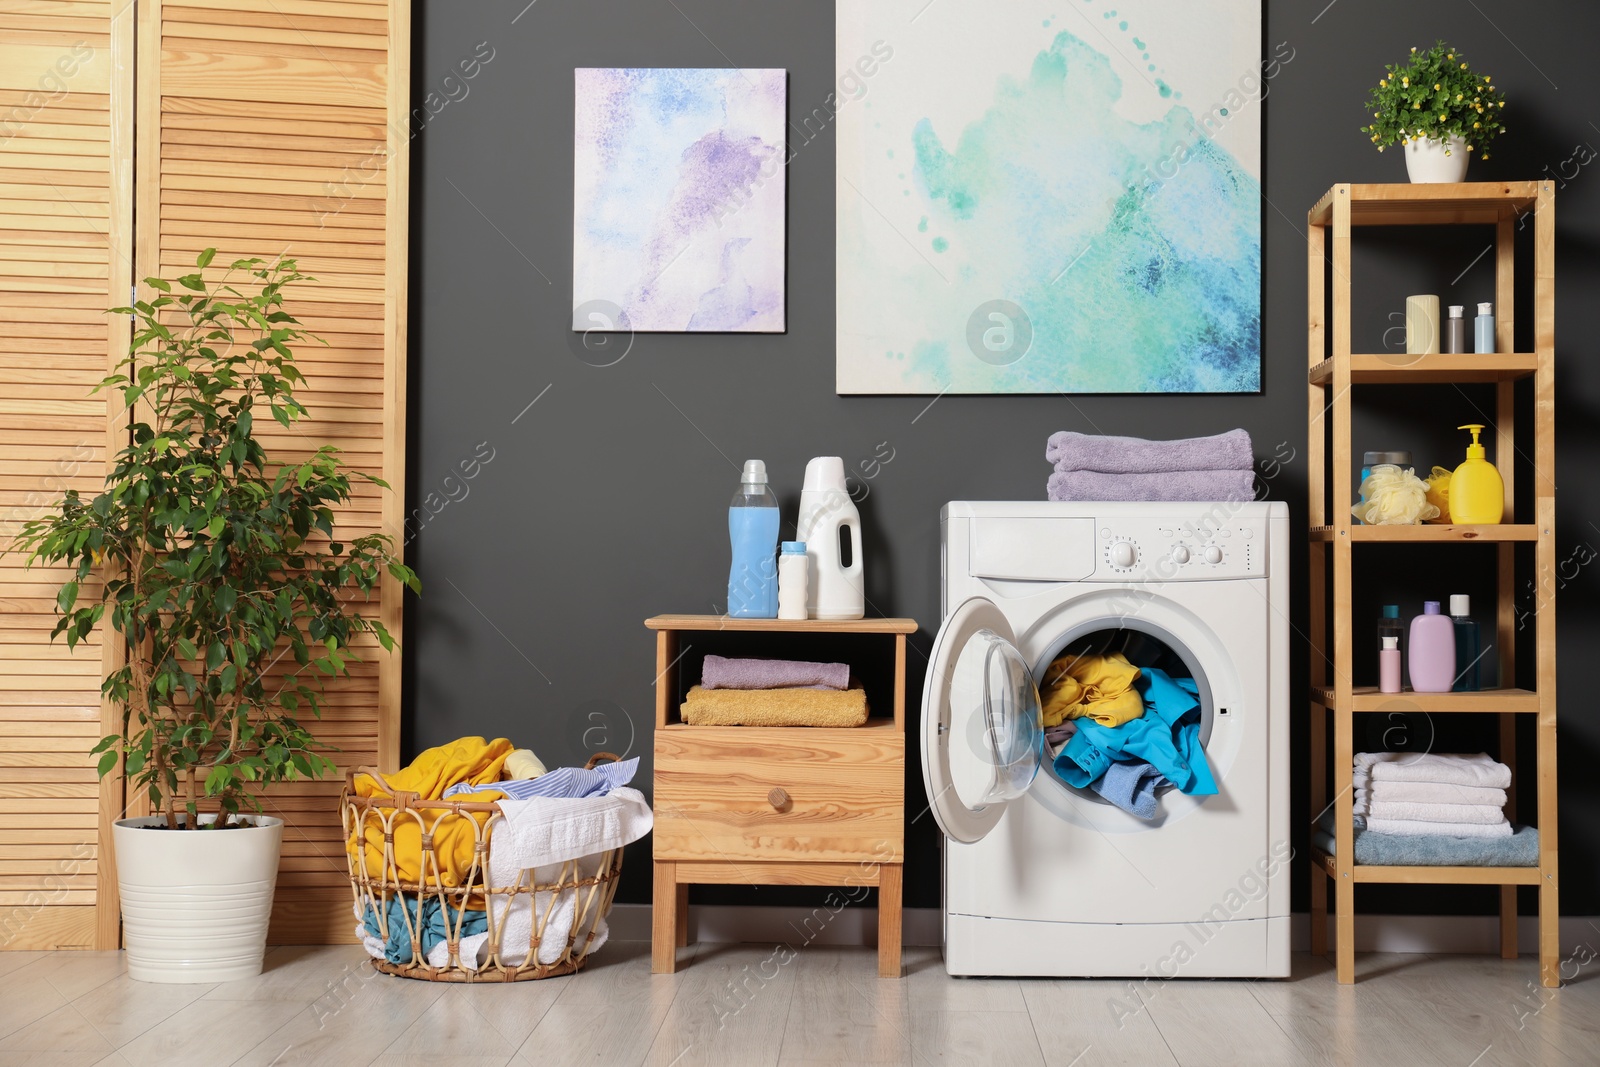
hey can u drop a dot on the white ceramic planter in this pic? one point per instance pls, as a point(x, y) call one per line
point(195, 904)
point(1426, 161)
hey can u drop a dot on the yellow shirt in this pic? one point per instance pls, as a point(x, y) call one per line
point(1095, 687)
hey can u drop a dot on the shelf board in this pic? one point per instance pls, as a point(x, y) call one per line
point(1432, 533)
point(1430, 875)
point(1432, 204)
point(1367, 698)
point(794, 626)
point(1398, 368)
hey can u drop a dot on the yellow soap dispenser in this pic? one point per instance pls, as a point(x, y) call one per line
point(1477, 493)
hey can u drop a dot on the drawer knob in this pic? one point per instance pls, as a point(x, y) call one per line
point(778, 798)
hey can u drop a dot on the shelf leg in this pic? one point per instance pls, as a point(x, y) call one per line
point(682, 906)
point(1319, 800)
point(664, 919)
point(889, 919)
point(1508, 756)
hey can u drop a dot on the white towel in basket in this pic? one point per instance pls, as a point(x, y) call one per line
point(541, 834)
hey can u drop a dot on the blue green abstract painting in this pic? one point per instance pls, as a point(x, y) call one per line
point(1050, 196)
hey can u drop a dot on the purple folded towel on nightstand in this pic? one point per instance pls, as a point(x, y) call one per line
point(1071, 451)
point(1232, 486)
point(720, 672)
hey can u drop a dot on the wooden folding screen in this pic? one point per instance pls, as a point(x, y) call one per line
point(278, 128)
point(66, 80)
point(266, 128)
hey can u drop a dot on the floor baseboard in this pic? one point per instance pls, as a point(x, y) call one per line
point(1472, 934)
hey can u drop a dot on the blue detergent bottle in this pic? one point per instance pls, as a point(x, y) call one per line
point(753, 531)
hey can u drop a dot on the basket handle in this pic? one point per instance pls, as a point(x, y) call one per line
point(598, 756)
point(398, 795)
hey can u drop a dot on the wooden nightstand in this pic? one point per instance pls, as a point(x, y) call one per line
point(760, 805)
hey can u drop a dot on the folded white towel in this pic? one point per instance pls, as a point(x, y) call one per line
point(1482, 814)
point(528, 844)
point(1431, 793)
point(1412, 828)
point(1476, 770)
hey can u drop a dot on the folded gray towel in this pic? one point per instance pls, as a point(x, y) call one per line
point(720, 672)
point(1071, 451)
point(1520, 849)
point(1234, 486)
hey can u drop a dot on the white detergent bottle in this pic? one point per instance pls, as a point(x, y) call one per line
point(830, 526)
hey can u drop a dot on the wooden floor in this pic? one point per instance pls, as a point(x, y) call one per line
point(741, 1005)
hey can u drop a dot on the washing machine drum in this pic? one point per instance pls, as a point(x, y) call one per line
point(983, 730)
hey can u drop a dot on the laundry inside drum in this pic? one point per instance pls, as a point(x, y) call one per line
point(1143, 708)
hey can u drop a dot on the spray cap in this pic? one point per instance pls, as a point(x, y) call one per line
point(1430, 607)
point(825, 472)
point(1474, 450)
point(1456, 310)
point(1391, 611)
point(1460, 604)
point(1390, 642)
point(755, 473)
point(1486, 308)
point(798, 548)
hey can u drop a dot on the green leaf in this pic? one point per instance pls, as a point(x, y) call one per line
point(193, 281)
point(205, 258)
point(67, 597)
point(107, 761)
point(157, 283)
point(216, 525)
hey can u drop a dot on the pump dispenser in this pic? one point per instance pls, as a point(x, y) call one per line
point(1477, 493)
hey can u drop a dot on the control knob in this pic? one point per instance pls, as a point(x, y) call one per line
point(1180, 554)
point(1124, 554)
point(1213, 554)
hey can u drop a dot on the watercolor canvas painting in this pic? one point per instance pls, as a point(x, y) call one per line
point(1050, 196)
point(678, 201)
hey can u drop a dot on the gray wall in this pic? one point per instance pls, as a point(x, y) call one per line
point(602, 503)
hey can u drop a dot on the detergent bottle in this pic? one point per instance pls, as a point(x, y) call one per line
point(753, 531)
point(830, 526)
point(1477, 494)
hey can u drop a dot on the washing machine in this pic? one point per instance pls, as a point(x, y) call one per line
point(1040, 878)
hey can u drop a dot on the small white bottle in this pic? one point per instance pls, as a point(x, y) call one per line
point(792, 567)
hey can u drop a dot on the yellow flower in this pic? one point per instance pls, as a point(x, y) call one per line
point(1458, 98)
point(1413, 49)
point(1417, 106)
point(1436, 86)
point(1452, 55)
point(1469, 148)
point(1441, 116)
point(1382, 84)
point(1405, 83)
point(1502, 103)
point(1486, 77)
point(1475, 125)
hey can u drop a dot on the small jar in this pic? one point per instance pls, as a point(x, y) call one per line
point(792, 566)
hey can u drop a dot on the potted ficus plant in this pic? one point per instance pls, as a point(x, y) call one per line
point(1439, 110)
point(219, 571)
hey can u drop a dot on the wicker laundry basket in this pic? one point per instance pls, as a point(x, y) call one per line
point(591, 880)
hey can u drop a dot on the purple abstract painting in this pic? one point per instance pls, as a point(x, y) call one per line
point(678, 200)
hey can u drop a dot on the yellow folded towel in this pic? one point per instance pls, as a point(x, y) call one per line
point(776, 707)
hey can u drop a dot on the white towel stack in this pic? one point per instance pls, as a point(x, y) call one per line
point(1413, 794)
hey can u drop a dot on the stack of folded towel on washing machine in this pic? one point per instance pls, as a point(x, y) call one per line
point(1428, 809)
point(1096, 467)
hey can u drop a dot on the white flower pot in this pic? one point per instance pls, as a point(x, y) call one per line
point(195, 903)
point(1426, 160)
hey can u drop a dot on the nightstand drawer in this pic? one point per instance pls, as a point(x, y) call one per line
point(842, 793)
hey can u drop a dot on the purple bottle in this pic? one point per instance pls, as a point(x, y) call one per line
point(1432, 651)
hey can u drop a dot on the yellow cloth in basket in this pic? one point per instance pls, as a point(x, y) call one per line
point(1095, 687)
point(776, 707)
point(470, 759)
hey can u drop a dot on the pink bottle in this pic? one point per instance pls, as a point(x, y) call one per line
point(1389, 666)
point(1433, 650)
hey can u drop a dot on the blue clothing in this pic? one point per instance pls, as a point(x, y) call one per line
point(566, 782)
point(397, 938)
point(1167, 737)
point(1130, 786)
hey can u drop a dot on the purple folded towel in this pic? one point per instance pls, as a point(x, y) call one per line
point(720, 672)
point(1233, 486)
point(1071, 451)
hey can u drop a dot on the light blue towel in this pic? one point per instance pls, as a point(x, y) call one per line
point(1131, 787)
point(565, 782)
point(1521, 849)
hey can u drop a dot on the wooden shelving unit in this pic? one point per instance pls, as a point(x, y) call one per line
point(1333, 534)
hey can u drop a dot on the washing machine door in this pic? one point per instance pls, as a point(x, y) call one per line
point(982, 725)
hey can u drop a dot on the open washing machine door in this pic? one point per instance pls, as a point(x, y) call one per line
point(982, 726)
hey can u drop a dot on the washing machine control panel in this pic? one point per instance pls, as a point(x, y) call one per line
point(1209, 546)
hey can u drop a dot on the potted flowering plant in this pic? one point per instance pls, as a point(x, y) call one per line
point(211, 562)
point(1438, 109)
